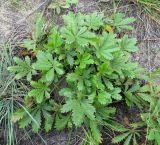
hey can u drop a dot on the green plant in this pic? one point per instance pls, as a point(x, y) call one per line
point(57, 5)
point(7, 89)
point(9, 95)
point(86, 65)
point(25, 118)
point(23, 68)
point(128, 135)
point(37, 36)
point(152, 117)
point(120, 22)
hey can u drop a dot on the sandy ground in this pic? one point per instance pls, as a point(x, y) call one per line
point(17, 20)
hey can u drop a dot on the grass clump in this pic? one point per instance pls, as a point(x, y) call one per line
point(9, 94)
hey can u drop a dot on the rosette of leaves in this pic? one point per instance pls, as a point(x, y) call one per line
point(128, 135)
point(93, 65)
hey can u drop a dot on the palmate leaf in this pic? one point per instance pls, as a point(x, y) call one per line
point(128, 44)
point(74, 21)
point(128, 140)
point(46, 63)
point(77, 113)
point(115, 93)
point(29, 44)
point(157, 136)
point(135, 140)
point(66, 92)
point(88, 109)
point(28, 117)
point(25, 121)
point(23, 68)
point(154, 135)
point(72, 77)
point(124, 67)
point(37, 117)
point(39, 92)
point(145, 89)
point(104, 97)
point(49, 120)
point(120, 22)
point(81, 36)
point(118, 63)
point(46, 109)
point(94, 21)
point(95, 132)
point(107, 46)
point(79, 109)
point(67, 107)
point(146, 97)
point(97, 82)
point(105, 68)
point(118, 127)
point(19, 114)
point(37, 113)
point(61, 122)
point(38, 32)
point(127, 135)
point(151, 135)
point(54, 42)
point(70, 57)
point(75, 30)
point(75, 78)
point(84, 60)
point(109, 84)
point(120, 137)
point(80, 78)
